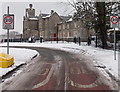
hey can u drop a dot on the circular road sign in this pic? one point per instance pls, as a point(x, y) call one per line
point(8, 20)
point(114, 19)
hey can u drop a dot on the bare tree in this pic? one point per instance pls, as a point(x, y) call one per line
point(95, 15)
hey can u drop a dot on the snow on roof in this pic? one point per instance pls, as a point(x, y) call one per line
point(66, 18)
point(70, 20)
point(43, 17)
point(33, 18)
point(60, 22)
point(46, 16)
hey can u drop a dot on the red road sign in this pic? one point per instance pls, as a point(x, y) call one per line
point(8, 20)
point(114, 19)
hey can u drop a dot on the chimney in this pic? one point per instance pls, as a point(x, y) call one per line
point(52, 11)
point(30, 5)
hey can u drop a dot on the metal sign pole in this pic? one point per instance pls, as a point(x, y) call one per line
point(114, 19)
point(114, 44)
point(8, 35)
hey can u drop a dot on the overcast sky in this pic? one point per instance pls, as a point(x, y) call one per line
point(18, 9)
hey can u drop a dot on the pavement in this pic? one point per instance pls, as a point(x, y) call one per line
point(60, 70)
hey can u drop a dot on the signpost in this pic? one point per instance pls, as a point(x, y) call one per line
point(8, 23)
point(114, 21)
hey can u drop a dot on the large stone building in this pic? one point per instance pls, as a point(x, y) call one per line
point(47, 25)
point(72, 28)
point(30, 23)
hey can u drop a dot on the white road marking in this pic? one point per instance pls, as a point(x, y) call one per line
point(47, 78)
point(80, 70)
point(66, 76)
point(72, 83)
point(66, 79)
point(75, 70)
point(83, 70)
point(45, 71)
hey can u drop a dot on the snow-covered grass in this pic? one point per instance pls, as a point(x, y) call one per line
point(100, 56)
point(20, 55)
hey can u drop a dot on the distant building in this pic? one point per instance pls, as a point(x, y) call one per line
point(12, 35)
point(30, 23)
point(46, 25)
point(72, 28)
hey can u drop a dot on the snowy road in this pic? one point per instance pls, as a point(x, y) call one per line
point(60, 70)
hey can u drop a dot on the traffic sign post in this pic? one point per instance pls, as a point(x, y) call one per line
point(114, 19)
point(114, 23)
point(114, 44)
point(8, 23)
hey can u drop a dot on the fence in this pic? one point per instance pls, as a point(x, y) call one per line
point(15, 40)
point(70, 39)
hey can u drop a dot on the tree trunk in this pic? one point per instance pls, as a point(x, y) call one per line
point(100, 6)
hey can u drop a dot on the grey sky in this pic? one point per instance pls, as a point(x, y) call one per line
point(18, 9)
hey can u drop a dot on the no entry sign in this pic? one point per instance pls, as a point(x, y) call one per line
point(8, 21)
point(114, 20)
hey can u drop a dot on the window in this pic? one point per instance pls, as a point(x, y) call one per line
point(68, 26)
point(63, 26)
point(59, 27)
point(75, 25)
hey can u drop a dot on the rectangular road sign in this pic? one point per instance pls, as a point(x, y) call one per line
point(114, 21)
point(8, 21)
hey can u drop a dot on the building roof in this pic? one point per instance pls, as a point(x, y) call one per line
point(45, 15)
point(34, 18)
point(66, 18)
point(71, 19)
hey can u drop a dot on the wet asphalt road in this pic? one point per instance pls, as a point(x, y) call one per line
point(59, 70)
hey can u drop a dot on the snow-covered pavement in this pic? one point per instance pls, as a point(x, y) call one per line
point(102, 58)
point(20, 55)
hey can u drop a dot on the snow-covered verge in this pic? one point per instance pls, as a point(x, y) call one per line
point(102, 58)
point(20, 55)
